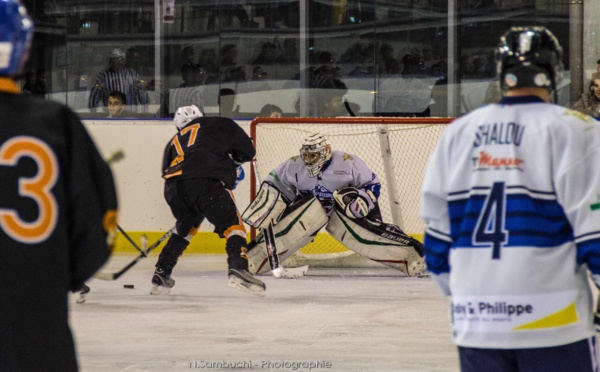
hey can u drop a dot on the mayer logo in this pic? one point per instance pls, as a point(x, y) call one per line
point(486, 161)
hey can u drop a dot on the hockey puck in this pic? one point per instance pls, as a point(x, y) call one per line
point(128, 286)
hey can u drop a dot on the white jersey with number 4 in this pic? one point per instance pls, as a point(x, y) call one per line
point(511, 199)
point(342, 170)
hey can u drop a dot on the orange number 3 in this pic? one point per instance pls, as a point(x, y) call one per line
point(37, 188)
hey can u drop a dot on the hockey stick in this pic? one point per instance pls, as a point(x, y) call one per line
point(116, 156)
point(131, 240)
point(116, 275)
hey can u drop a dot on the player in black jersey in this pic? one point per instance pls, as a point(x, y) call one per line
point(58, 210)
point(200, 166)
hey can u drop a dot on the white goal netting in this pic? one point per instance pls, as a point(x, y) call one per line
point(396, 149)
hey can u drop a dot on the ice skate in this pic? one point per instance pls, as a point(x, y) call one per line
point(161, 283)
point(241, 279)
point(81, 293)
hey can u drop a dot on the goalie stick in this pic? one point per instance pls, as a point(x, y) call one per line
point(116, 275)
point(276, 269)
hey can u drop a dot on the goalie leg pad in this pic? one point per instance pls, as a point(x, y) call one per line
point(267, 206)
point(379, 242)
point(295, 230)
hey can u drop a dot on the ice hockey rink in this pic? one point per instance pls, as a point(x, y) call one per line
point(329, 320)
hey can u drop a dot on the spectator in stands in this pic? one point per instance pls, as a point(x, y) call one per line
point(270, 111)
point(191, 91)
point(117, 105)
point(598, 65)
point(117, 78)
point(330, 103)
point(192, 76)
point(589, 103)
point(227, 103)
point(289, 52)
point(268, 55)
point(187, 56)
point(229, 9)
point(405, 94)
point(258, 74)
point(208, 61)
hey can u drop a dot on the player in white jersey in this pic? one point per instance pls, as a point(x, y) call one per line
point(347, 192)
point(511, 198)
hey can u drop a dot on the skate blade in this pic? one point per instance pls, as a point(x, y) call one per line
point(80, 299)
point(254, 289)
point(159, 290)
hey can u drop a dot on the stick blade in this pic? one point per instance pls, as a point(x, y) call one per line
point(104, 276)
point(294, 272)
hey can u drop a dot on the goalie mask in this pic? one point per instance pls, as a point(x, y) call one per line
point(186, 114)
point(315, 152)
point(16, 31)
point(529, 57)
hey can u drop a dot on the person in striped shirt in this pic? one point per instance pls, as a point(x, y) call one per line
point(117, 78)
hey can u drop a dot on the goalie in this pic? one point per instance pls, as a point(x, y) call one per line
point(324, 187)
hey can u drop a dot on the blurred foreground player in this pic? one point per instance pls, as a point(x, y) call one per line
point(201, 165)
point(511, 202)
point(57, 212)
point(324, 187)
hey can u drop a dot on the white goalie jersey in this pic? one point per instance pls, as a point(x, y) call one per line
point(343, 170)
point(511, 199)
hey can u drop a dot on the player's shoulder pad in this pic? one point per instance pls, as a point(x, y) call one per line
point(578, 115)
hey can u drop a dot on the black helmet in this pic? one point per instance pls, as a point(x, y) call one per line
point(529, 57)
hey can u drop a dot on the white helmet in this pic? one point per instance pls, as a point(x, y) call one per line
point(315, 152)
point(185, 114)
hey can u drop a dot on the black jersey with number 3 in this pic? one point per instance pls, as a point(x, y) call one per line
point(57, 219)
point(207, 147)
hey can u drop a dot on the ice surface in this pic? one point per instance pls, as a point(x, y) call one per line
point(337, 321)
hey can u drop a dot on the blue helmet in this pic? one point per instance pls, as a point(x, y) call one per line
point(16, 31)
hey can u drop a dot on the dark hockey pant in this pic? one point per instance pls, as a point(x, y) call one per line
point(191, 201)
point(580, 356)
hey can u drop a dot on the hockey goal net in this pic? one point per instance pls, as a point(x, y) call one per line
point(396, 149)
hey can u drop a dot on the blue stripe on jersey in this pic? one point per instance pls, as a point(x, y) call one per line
point(375, 188)
point(587, 252)
point(436, 254)
point(529, 221)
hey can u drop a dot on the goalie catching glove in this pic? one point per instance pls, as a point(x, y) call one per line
point(356, 203)
point(267, 206)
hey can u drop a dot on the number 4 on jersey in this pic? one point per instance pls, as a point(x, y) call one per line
point(490, 225)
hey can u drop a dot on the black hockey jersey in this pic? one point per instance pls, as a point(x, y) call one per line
point(207, 147)
point(57, 220)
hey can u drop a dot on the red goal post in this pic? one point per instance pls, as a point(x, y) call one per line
point(396, 149)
